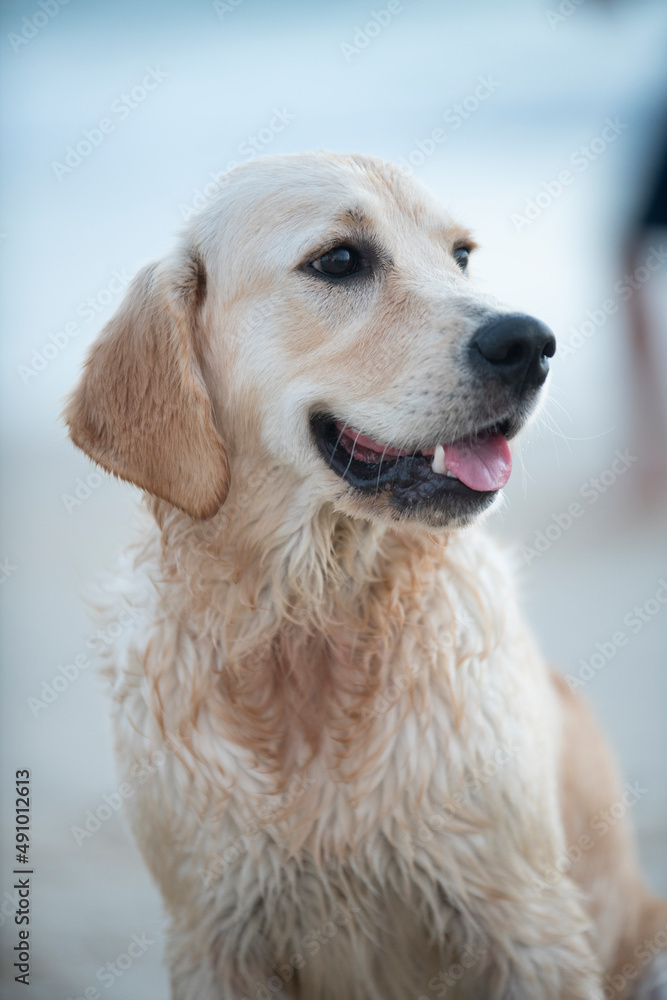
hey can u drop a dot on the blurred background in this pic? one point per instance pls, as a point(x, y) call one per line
point(538, 124)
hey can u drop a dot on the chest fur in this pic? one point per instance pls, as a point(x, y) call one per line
point(294, 786)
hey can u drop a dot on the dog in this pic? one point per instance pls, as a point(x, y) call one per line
point(353, 774)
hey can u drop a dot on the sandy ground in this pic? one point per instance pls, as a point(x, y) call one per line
point(117, 209)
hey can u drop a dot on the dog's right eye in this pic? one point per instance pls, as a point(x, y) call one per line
point(339, 262)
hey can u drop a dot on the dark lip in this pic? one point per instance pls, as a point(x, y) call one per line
point(407, 482)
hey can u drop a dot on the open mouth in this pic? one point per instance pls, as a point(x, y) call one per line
point(459, 477)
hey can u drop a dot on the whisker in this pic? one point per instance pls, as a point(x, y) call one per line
point(525, 475)
point(352, 454)
point(569, 437)
point(377, 485)
point(589, 437)
point(556, 402)
point(549, 421)
point(414, 455)
point(337, 443)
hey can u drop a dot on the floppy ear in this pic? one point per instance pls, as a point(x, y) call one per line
point(141, 409)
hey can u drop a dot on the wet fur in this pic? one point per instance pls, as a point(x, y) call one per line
point(361, 767)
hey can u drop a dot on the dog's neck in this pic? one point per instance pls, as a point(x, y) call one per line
point(306, 622)
point(246, 573)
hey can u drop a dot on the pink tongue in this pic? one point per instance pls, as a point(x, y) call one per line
point(484, 464)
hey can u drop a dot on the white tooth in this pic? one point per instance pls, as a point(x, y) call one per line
point(438, 464)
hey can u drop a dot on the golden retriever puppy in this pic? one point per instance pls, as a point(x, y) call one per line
point(352, 773)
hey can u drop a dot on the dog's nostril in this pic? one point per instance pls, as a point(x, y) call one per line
point(549, 348)
point(514, 349)
point(508, 354)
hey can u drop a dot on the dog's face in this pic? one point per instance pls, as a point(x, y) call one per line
point(320, 318)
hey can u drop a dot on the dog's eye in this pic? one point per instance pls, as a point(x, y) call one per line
point(338, 262)
point(461, 256)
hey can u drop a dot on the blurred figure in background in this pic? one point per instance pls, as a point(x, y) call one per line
point(644, 254)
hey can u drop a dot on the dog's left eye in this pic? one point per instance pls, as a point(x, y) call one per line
point(339, 262)
point(461, 256)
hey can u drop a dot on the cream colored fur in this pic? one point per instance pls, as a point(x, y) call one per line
point(362, 773)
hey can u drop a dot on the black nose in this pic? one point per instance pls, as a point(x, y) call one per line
point(514, 349)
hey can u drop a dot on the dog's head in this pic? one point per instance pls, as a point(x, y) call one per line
point(316, 318)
